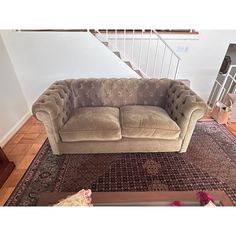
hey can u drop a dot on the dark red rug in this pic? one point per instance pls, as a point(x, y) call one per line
point(209, 164)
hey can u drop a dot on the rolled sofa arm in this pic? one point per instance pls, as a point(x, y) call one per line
point(185, 108)
point(54, 107)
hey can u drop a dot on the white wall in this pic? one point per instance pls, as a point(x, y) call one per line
point(13, 106)
point(41, 58)
point(201, 56)
point(202, 61)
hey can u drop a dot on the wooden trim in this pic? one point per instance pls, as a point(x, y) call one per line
point(136, 198)
point(52, 30)
point(137, 31)
point(119, 31)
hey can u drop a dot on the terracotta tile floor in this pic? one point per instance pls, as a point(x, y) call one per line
point(23, 147)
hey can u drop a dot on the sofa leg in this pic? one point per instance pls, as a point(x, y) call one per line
point(55, 147)
point(56, 152)
point(182, 151)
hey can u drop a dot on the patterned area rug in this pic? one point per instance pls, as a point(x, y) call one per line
point(209, 164)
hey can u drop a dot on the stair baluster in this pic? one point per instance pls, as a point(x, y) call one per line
point(141, 64)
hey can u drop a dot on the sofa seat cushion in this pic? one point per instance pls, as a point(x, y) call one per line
point(147, 122)
point(92, 123)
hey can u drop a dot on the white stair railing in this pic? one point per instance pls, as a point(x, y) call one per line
point(118, 46)
point(220, 89)
point(173, 56)
point(146, 52)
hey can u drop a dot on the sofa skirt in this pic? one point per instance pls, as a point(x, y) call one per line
point(124, 145)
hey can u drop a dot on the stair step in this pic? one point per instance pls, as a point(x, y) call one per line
point(129, 64)
point(139, 73)
point(106, 43)
point(117, 54)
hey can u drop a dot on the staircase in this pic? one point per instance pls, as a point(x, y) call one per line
point(144, 51)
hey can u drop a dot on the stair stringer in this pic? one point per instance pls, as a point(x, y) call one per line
point(109, 46)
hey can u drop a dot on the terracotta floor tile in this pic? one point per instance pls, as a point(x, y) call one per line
point(29, 138)
point(41, 139)
point(14, 178)
point(34, 149)
point(33, 120)
point(25, 162)
point(37, 128)
point(17, 159)
point(232, 127)
point(15, 139)
point(5, 194)
point(30, 121)
point(25, 128)
point(20, 149)
point(8, 148)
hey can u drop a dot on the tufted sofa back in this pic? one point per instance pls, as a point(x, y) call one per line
point(61, 99)
point(119, 92)
point(181, 101)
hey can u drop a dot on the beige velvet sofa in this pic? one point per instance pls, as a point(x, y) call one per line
point(118, 115)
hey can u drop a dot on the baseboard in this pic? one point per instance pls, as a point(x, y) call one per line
point(14, 129)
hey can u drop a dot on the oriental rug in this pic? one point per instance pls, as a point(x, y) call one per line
point(208, 164)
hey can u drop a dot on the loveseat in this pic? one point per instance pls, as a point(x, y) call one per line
point(118, 115)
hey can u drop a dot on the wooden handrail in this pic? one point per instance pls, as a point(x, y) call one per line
point(137, 31)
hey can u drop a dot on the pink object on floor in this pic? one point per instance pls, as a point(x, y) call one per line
point(176, 203)
point(204, 197)
point(81, 198)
